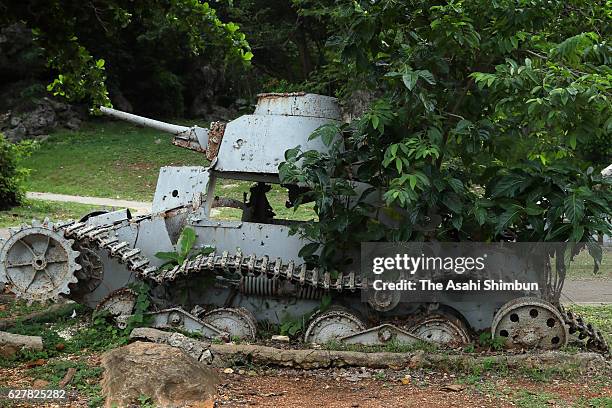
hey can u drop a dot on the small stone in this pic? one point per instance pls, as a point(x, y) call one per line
point(241, 372)
point(280, 338)
point(454, 387)
point(39, 384)
point(206, 357)
point(228, 371)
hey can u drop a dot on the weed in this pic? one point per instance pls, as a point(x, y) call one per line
point(597, 402)
point(391, 347)
point(85, 381)
point(528, 399)
point(145, 401)
point(185, 251)
point(486, 339)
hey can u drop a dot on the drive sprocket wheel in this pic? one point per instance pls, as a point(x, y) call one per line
point(530, 322)
point(37, 263)
point(441, 328)
point(333, 324)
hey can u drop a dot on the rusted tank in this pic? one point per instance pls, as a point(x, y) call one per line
point(255, 272)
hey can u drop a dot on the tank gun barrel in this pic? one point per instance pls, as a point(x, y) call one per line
point(195, 137)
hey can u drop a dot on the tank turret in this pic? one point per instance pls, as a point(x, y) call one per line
point(254, 143)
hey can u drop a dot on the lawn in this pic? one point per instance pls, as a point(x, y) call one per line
point(599, 316)
point(37, 209)
point(105, 159)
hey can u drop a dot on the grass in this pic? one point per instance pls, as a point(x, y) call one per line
point(599, 316)
point(582, 266)
point(119, 160)
point(528, 399)
point(105, 159)
point(39, 209)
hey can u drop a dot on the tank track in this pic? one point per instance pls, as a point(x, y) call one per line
point(585, 331)
point(103, 238)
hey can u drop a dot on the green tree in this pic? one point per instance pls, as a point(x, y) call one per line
point(489, 120)
point(77, 36)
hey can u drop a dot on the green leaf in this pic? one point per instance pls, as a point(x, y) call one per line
point(327, 133)
point(574, 208)
point(168, 256)
point(452, 202)
point(508, 186)
point(481, 215)
point(533, 209)
point(427, 76)
point(186, 241)
point(410, 79)
point(375, 122)
point(455, 184)
point(325, 302)
point(507, 218)
point(308, 250)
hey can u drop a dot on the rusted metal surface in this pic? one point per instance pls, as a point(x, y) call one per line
point(215, 135)
point(37, 263)
point(530, 322)
point(333, 325)
point(299, 104)
point(188, 144)
point(441, 328)
point(279, 94)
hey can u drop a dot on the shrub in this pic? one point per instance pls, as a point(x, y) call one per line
point(11, 174)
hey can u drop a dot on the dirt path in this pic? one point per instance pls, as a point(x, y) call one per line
point(418, 389)
point(587, 291)
point(139, 206)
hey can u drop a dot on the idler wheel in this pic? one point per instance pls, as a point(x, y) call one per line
point(529, 322)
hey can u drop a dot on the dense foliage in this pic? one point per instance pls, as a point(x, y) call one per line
point(489, 120)
point(147, 48)
point(11, 173)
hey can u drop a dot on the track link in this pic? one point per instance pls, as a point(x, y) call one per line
point(585, 331)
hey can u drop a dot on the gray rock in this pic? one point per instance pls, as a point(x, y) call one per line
point(206, 357)
point(165, 374)
point(150, 334)
point(73, 124)
point(38, 118)
point(284, 339)
point(11, 343)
